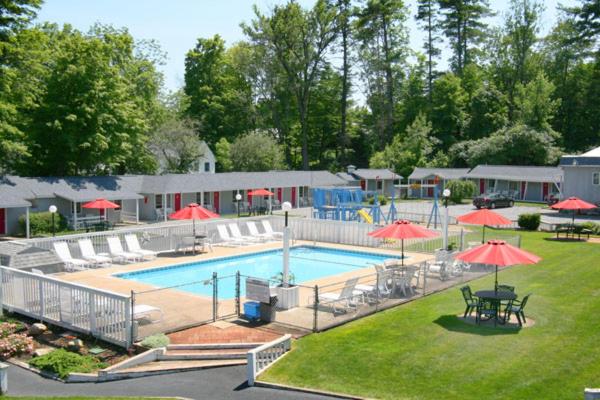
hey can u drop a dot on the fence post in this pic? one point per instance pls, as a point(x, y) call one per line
point(462, 239)
point(92, 312)
point(519, 241)
point(424, 277)
point(129, 318)
point(316, 310)
point(377, 291)
point(42, 305)
point(215, 282)
point(237, 293)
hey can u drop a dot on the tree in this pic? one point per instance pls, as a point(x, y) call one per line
point(256, 151)
point(449, 109)
point(427, 12)
point(460, 189)
point(463, 26)
point(14, 15)
point(176, 146)
point(381, 32)
point(345, 34)
point(298, 39)
point(535, 106)
point(223, 155)
point(587, 20)
point(220, 97)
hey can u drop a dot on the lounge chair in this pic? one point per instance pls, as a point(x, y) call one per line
point(344, 298)
point(227, 240)
point(116, 251)
point(144, 311)
point(237, 234)
point(37, 271)
point(133, 245)
point(383, 283)
point(87, 251)
point(269, 229)
point(252, 228)
point(71, 264)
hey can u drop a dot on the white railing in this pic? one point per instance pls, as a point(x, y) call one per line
point(128, 216)
point(102, 314)
point(262, 357)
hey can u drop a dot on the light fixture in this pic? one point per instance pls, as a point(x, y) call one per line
point(286, 206)
point(446, 193)
point(52, 209)
point(238, 197)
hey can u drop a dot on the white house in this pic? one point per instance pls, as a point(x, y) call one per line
point(206, 163)
point(582, 175)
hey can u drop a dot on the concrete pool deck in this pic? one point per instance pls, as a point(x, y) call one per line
point(181, 309)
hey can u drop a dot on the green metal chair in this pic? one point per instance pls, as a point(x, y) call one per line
point(506, 288)
point(486, 309)
point(517, 307)
point(470, 300)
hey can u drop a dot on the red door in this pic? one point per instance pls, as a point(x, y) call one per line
point(177, 201)
point(249, 197)
point(216, 201)
point(481, 186)
point(279, 194)
point(2, 221)
point(294, 197)
point(545, 191)
point(363, 184)
point(430, 189)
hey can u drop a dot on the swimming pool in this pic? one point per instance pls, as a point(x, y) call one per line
point(306, 263)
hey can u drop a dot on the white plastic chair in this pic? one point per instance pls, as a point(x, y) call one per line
point(71, 264)
point(117, 252)
point(252, 228)
point(133, 245)
point(227, 240)
point(87, 251)
point(269, 229)
point(344, 298)
point(237, 234)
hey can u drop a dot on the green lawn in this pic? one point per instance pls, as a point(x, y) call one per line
point(422, 351)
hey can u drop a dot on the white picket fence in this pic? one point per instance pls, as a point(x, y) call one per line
point(102, 314)
point(262, 357)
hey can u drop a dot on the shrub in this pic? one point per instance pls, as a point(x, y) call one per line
point(460, 190)
point(40, 223)
point(530, 222)
point(15, 344)
point(7, 328)
point(380, 198)
point(62, 362)
point(592, 226)
point(155, 341)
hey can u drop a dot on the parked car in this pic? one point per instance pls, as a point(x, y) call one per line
point(493, 200)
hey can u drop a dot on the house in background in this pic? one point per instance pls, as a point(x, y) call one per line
point(527, 183)
point(427, 176)
point(582, 175)
point(382, 181)
point(205, 163)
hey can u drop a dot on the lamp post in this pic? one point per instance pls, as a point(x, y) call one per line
point(53, 211)
point(286, 207)
point(238, 198)
point(446, 196)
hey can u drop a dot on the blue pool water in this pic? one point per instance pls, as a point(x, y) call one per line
point(306, 263)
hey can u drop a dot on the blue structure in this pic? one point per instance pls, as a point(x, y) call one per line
point(345, 204)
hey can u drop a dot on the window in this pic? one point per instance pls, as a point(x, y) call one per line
point(206, 167)
point(379, 185)
point(596, 178)
point(198, 197)
point(158, 201)
point(169, 201)
point(78, 208)
point(207, 199)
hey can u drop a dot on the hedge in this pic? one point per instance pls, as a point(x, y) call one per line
point(460, 190)
point(530, 222)
point(40, 223)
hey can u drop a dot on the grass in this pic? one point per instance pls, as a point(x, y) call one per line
point(422, 351)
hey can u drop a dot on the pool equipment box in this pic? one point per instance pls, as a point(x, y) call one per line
point(258, 290)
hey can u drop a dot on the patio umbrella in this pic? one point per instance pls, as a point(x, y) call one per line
point(100, 204)
point(261, 192)
point(484, 217)
point(573, 203)
point(498, 253)
point(402, 229)
point(193, 211)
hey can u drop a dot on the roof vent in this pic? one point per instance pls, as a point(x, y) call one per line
point(351, 168)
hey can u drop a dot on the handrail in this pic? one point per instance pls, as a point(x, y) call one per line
point(262, 357)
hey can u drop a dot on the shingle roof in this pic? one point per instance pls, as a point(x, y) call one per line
point(370, 173)
point(11, 196)
point(347, 177)
point(591, 157)
point(17, 255)
point(444, 173)
point(517, 173)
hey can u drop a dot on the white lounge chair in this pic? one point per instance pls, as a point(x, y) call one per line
point(133, 245)
point(144, 311)
point(37, 271)
point(253, 229)
point(344, 298)
point(269, 229)
point(71, 264)
point(383, 283)
point(237, 234)
point(87, 251)
point(116, 251)
point(227, 240)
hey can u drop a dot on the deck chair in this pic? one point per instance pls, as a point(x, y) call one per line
point(269, 229)
point(71, 264)
point(227, 240)
point(237, 234)
point(253, 229)
point(144, 312)
point(116, 251)
point(383, 283)
point(344, 298)
point(133, 245)
point(87, 251)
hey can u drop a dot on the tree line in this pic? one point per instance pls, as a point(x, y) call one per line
point(285, 96)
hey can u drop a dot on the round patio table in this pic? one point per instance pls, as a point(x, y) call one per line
point(495, 297)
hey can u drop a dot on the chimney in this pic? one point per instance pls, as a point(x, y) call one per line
point(351, 169)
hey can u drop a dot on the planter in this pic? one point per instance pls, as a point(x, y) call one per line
point(287, 298)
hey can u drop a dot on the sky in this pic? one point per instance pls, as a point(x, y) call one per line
point(176, 24)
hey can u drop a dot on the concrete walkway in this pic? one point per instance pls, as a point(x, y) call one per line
point(220, 383)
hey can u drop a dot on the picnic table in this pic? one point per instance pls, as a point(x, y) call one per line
point(495, 298)
point(572, 231)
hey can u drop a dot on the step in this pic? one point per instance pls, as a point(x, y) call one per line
point(204, 354)
point(209, 346)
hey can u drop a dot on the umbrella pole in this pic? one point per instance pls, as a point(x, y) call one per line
point(194, 236)
point(402, 241)
point(483, 237)
point(496, 281)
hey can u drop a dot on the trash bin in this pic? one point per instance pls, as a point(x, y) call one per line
point(267, 310)
point(252, 310)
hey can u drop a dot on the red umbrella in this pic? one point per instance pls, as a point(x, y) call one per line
point(498, 253)
point(484, 217)
point(193, 211)
point(402, 229)
point(100, 204)
point(260, 192)
point(573, 203)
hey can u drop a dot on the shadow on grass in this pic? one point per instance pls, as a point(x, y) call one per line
point(454, 324)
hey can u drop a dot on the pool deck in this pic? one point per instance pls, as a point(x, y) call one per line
point(181, 309)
